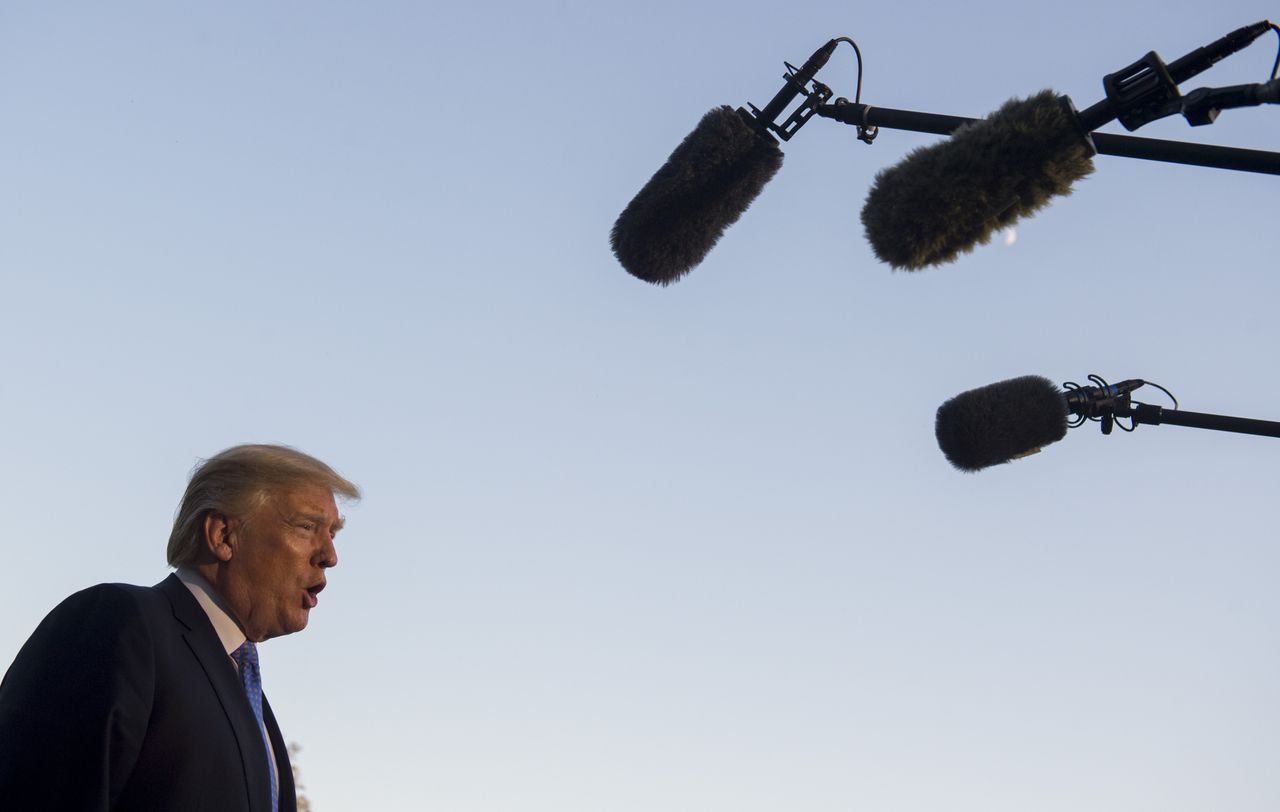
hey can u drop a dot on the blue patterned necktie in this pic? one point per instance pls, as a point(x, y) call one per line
point(246, 658)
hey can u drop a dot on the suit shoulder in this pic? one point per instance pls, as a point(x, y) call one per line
point(109, 603)
point(82, 686)
point(102, 620)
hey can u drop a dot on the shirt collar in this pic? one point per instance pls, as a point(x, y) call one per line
point(229, 632)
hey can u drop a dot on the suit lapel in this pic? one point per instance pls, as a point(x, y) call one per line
point(225, 682)
point(288, 794)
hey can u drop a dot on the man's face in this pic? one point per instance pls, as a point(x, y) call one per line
point(278, 567)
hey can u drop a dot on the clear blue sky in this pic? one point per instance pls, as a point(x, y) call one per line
point(628, 548)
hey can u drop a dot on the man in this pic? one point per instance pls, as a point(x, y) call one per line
point(132, 698)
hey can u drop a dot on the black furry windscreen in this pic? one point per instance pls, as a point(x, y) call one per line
point(944, 199)
point(999, 422)
point(704, 187)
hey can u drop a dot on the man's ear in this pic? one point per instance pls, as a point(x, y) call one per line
point(219, 535)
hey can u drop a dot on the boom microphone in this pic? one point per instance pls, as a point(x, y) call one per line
point(1017, 417)
point(1011, 419)
point(945, 199)
point(709, 181)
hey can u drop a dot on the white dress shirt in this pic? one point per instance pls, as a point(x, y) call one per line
point(229, 632)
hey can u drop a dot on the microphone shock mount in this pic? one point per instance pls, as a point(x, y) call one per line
point(1106, 403)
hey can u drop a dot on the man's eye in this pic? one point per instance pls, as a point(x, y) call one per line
point(308, 527)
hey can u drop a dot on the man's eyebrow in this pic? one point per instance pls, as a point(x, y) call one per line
point(320, 519)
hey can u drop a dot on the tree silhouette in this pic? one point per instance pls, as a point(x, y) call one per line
point(304, 805)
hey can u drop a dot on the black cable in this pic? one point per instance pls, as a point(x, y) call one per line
point(1276, 67)
point(1166, 391)
point(866, 133)
point(857, 96)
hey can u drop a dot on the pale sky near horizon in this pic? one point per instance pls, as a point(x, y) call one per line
point(630, 548)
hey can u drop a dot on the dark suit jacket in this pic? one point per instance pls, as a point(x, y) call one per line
point(124, 699)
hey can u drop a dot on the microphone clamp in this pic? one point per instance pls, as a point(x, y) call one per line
point(1148, 89)
point(797, 84)
point(1100, 402)
point(1202, 105)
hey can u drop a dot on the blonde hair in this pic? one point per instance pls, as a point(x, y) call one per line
point(236, 482)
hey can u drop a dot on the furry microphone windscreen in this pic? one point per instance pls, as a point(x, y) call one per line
point(944, 199)
point(704, 187)
point(1000, 422)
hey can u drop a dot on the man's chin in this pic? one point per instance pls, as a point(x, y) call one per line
point(299, 622)
point(292, 624)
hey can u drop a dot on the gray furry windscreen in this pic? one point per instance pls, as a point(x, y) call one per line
point(999, 422)
point(944, 199)
point(704, 187)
